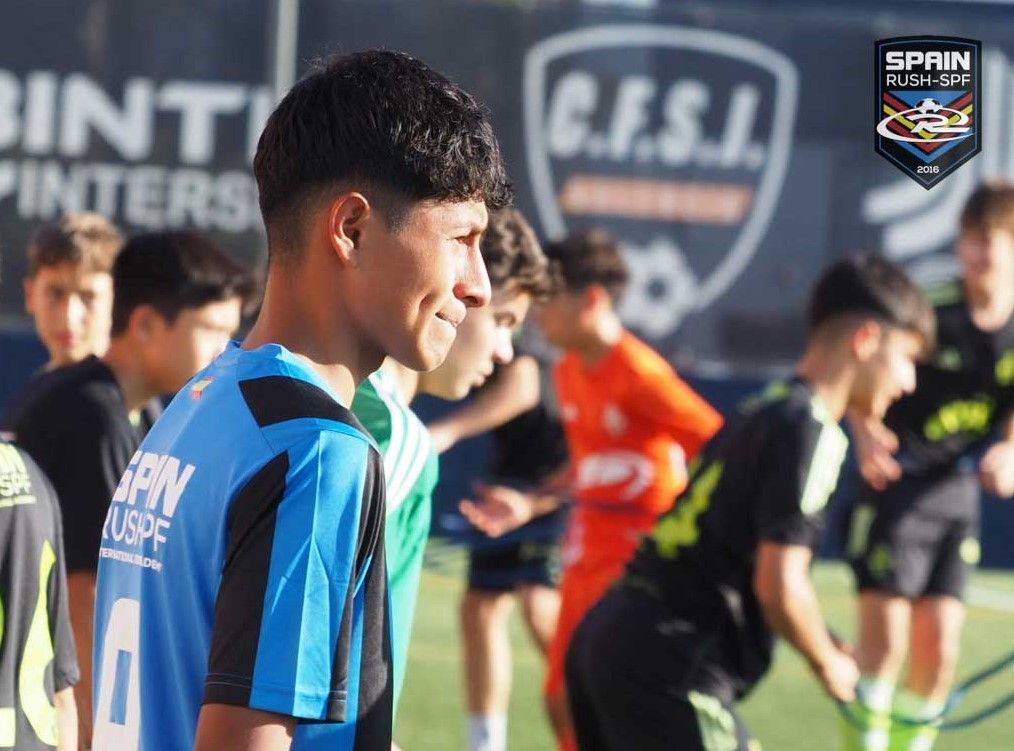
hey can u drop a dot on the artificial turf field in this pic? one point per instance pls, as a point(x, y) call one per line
point(787, 712)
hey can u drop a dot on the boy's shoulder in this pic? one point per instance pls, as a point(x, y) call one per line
point(783, 407)
point(641, 360)
point(86, 390)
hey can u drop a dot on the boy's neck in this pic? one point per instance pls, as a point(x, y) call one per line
point(408, 380)
point(990, 308)
point(309, 322)
point(830, 375)
point(121, 358)
point(600, 339)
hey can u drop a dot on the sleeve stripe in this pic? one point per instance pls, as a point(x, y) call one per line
point(825, 466)
point(236, 634)
point(408, 448)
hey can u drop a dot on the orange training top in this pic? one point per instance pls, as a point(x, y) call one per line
point(632, 426)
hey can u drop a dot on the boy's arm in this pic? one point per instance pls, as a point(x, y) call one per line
point(875, 445)
point(785, 591)
point(668, 400)
point(798, 470)
point(502, 509)
point(66, 719)
point(514, 391)
point(996, 470)
point(222, 727)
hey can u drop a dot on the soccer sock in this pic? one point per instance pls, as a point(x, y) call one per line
point(873, 712)
point(487, 732)
point(918, 737)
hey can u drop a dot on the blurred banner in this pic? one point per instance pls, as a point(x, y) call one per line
point(730, 146)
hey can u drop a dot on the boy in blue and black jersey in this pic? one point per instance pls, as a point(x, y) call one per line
point(242, 599)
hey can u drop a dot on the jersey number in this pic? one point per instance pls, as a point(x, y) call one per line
point(38, 653)
point(118, 715)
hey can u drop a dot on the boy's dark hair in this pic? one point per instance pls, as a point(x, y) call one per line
point(871, 286)
point(172, 271)
point(381, 122)
point(587, 258)
point(83, 238)
point(513, 255)
point(991, 206)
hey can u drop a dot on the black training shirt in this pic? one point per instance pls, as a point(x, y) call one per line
point(766, 476)
point(74, 423)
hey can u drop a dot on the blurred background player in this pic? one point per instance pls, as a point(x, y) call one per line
point(916, 528)
point(631, 424)
point(38, 665)
point(662, 659)
point(176, 300)
point(518, 274)
point(528, 451)
point(69, 287)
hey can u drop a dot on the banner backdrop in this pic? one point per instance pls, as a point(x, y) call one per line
point(729, 145)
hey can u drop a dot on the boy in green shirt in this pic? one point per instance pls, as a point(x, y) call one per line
point(518, 274)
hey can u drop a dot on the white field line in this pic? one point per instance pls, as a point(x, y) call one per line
point(992, 599)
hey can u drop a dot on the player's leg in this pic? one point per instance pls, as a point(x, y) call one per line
point(572, 609)
point(629, 686)
point(881, 647)
point(537, 588)
point(937, 621)
point(540, 605)
point(892, 565)
point(485, 614)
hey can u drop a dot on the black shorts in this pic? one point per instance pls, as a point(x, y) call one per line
point(529, 555)
point(636, 681)
point(904, 542)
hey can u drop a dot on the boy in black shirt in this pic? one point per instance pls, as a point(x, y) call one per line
point(663, 657)
point(38, 666)
point(915, 532)
point(177, 300)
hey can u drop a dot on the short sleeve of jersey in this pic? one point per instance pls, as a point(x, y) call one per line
point(285, 639)
point(799, 469)
point(661, 396)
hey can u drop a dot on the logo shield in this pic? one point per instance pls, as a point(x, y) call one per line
point(927, 104)
point(677, 140)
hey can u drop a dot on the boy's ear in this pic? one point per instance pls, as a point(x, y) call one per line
point(145, 323)
point(595, 296)
point(348, 215)
point(28, 284)
point(866, 339)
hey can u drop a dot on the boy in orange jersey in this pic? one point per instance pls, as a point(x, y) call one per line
point(632, 425)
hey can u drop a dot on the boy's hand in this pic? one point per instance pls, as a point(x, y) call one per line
point(875, 445)
point(499, 509)
point(996, 470)
point(839, 675)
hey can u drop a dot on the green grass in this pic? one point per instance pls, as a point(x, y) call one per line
point(788, 711)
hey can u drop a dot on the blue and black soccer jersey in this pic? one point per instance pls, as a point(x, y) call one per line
point(242, 563)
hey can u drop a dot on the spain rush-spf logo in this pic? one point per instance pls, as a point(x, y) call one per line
point(928, 105)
